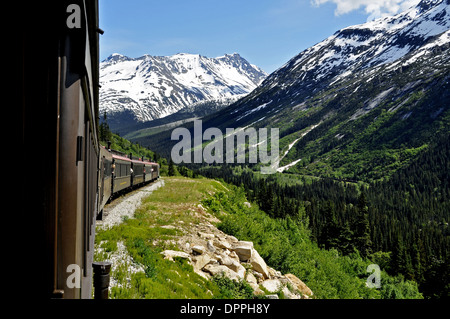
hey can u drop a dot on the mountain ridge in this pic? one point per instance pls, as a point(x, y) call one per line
point(395, 93)
point(153, 87)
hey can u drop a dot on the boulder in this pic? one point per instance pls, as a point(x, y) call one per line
point(210, 246)
point(251, 279)
point(205, 235)
point(225, 260)
point(201, 261)
point(288, 294)
point(237, 268)
point(222, 244)
point(198, 249)
point(234, 256)
point(170, 254)
point(243, 249)
point(221, 270)
point(272, 285)
point(258, 264)
point(299, 285)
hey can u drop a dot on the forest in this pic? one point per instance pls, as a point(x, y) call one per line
point(400, 223)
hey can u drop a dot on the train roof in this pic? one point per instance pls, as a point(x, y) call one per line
point(123, 158)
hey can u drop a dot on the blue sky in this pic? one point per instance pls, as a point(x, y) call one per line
point(265, 32)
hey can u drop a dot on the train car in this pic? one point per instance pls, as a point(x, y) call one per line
point(105, 179)
point(148, 168)
point(151, 171)
point(155, 171)
point(138, 173)
point(121, 173)
point(57, 83)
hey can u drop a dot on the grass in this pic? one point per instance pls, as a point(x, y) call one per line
point(284, 244)
point(147, 234)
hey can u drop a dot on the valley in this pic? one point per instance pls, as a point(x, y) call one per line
point(364, 132)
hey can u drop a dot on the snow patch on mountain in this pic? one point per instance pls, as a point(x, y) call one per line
point(156, 86)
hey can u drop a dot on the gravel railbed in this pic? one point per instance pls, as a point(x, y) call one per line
point(115, 212)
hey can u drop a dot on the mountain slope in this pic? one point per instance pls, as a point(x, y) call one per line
point(371, 97)
point(152, 87)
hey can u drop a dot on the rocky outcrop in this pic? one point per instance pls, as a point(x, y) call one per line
point(219, 254)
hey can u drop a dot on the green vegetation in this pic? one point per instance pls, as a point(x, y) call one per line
point(286, 245)
point(401, 223)
point(145, 237)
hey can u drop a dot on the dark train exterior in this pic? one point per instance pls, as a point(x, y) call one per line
point(120, 173)
point(66, 176)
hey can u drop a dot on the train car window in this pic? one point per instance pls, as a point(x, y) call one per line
point(138, 169)
point(107, 168)
point(119, 170)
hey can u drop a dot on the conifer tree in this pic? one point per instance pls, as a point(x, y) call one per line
point(361, 229)
point(171, 168)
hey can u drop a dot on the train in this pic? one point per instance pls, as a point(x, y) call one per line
point(65, 176)
point(120, 173)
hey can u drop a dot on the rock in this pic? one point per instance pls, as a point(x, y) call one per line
point(170, 254)
point(237, 268)
point(210, 246)
point(198, 249)
point(272, 285)
point(222, 244)
point(233, 265)
point(272, 297)
point(288, 294)
point(251, 279)
point(258, 276)
point(244, 250)
point(259, 264)
point(225, 260)
point(205, 235)
point(256, 290)
point(299, 285)
point(232, 239)
point(201, 261)
point(272, 272)
point(234, 256)
point(221, 269)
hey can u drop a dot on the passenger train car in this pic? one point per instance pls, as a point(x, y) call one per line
point(66, 177)
point(120, 173)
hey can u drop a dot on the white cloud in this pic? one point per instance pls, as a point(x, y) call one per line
point(374, 8)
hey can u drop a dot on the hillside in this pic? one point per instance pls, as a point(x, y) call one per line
point(364, 123)
point(375, 95)
point(184, 213)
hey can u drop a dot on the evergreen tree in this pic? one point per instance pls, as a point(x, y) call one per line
point(398, 262)
point(346, 245)
point(171, 168)
point(362, 229)
point(105, 134)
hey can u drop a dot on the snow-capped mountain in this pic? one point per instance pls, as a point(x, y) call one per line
point(360, 47)
point(353, 52)
point(345, 103)
point(152, 87)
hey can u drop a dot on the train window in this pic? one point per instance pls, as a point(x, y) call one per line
point(126, 171)
point(119, 170)
point(138, 169)
point(107, 168)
